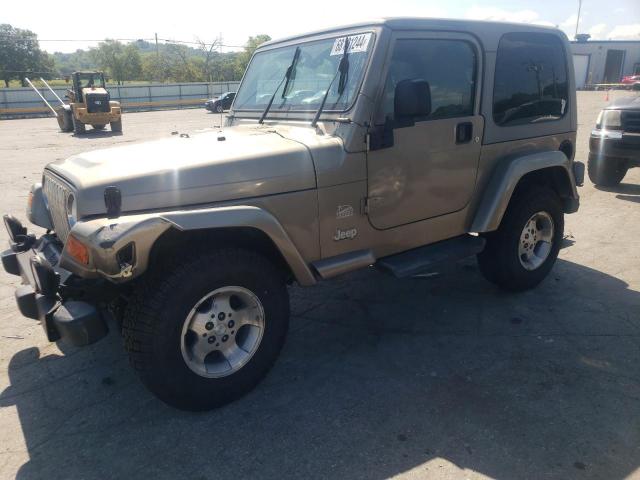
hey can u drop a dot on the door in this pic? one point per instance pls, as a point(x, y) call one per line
point(580, 67)
point(228, 100)
point(427, 168)
point(613, 66)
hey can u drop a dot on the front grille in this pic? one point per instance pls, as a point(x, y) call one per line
point(631, 121)
point(57, 193)
point(97, 102)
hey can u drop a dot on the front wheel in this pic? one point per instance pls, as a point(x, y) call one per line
point(606, 171)
point(219, 109)
point(116, 126)
point(520, 254)
point(78, 127)
point(204, 332)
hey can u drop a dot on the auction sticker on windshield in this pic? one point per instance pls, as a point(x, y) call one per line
point(357, 43)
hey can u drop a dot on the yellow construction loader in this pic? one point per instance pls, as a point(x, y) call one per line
point(88, 104)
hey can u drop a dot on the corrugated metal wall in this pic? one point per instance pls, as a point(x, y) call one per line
point(23, 102)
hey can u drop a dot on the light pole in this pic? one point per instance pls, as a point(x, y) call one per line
point(578, 19)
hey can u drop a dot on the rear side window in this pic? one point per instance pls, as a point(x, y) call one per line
point(448, 65)
point(530, 83)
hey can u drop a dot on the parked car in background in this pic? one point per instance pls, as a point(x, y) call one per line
point(614, 146)
point(221, 103)
point(632, 80)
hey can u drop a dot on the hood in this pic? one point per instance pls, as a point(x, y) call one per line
point(189, 170)
point(625, 103)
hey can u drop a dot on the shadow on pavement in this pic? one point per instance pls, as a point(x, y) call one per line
point(626, 191)
point(92, 134)
point(379, 377)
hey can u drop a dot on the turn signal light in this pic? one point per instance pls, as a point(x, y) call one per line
point(77, 251)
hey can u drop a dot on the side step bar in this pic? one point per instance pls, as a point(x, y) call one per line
point(418, 260)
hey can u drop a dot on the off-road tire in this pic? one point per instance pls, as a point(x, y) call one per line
point(78, 127)
point(99, 127)
point(606, 171)
point(116, 126)
point(499, 262)
point(68, 121)
point(153, 322)
point(64, 120)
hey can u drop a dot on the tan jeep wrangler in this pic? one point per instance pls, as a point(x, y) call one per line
point(400, 144)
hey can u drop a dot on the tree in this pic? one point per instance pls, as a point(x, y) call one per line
point(209, 55)
point(133, 63)
point(243, 57)
point(154, 67)
point(121, 61)
point(20, 55)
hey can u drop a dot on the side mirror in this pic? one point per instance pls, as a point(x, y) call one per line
point(412, 99)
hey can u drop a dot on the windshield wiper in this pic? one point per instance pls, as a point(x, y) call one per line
point(286, 77)
point(343, 70)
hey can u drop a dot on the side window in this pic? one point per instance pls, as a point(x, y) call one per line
point(530, 83)
point(448, 65)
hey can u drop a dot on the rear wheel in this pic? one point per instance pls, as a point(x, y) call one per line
point(78, 127)
point(202, 337)
point(67, 121)
point(606, 171)
point(116, 125)
point(99, 127)
point(64, 120)
point(520, 254)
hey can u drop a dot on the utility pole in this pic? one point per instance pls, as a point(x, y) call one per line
point(578, 19)
point(157, 68)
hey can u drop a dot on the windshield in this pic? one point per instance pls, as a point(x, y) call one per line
point(88, 80)
point(313, 72)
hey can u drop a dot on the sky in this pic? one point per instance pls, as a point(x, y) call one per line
point(190, 20)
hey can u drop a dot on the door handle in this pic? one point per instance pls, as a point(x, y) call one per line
point(464, 132)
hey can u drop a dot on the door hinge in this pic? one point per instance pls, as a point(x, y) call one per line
point(364, 206)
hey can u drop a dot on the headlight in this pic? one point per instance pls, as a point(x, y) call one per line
point(609, 120)
point(72, 210)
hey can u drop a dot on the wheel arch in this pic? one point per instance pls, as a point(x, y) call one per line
point(174, 241)
point(246, 226)
point(552, 168)
point(240, 226)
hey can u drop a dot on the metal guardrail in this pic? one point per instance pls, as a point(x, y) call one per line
point(25, 103)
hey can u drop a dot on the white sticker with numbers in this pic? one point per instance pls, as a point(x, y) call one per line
point(357, 43)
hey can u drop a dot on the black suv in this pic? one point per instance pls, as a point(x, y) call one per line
point(221, 103)
point(614, 146)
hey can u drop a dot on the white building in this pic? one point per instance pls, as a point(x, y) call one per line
point(605, 61)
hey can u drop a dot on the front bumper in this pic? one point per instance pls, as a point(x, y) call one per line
point(616, 144)
point(41, 297)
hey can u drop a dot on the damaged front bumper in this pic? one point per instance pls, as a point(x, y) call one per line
point(42, 295)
